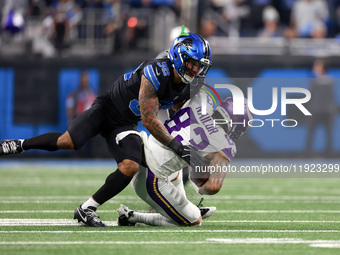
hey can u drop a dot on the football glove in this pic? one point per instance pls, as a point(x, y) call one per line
point(187, 153)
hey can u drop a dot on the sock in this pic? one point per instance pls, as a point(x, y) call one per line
point(114, 184)
point(46, 142)
point(179, 184)
point(90, 203)
point(153, 219)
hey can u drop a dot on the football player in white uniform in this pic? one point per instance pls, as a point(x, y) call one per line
point(160, 184)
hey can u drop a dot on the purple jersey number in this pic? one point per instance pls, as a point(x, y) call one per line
point(204, 139)
point(180, 121)
point(231, 142)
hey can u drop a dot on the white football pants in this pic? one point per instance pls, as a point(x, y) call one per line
point(166, 198)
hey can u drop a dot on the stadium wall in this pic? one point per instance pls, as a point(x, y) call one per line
point(33, 92)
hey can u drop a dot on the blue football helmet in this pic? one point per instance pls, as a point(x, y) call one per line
point(190, 48)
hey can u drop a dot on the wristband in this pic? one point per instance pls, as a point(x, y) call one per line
point(175, 145)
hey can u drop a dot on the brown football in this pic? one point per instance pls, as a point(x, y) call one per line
point(200, 178)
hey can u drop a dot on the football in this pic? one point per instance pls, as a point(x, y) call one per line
point(200, 178)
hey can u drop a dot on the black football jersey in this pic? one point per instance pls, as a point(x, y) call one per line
point(123, 95)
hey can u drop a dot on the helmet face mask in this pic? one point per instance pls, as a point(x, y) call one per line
point(196, 68)
point(188, 53)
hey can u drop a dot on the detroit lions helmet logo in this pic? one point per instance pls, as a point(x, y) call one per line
point(187, 43)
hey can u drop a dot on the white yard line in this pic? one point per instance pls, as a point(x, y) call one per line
point(229, 241)
point(261, 197)
point(215, 197)
point(273, 221)
point(89, 231)
point(271, 241)
point(218, 211)
point(137, 200)
point(51, 211)
point(276, 211)
point(58, 197)
point(325, 245)
point(64, 222)
point(99, 242)
point(9, 182)
point(44, 222)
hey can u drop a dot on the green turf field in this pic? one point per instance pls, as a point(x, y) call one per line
point(255, 216)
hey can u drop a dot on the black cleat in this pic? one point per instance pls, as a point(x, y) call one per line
point(88, 217)
point(124, 213)
point(8, 147)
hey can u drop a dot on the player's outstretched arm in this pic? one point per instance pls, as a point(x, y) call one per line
point(215, 181)
point(149, 107)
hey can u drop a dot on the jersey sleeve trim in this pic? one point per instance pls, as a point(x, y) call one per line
point(223, 154)
point(151, 76)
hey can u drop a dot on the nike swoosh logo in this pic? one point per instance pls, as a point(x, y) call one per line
point(84, 219)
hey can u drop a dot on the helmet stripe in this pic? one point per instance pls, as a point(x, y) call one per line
point(206, 47)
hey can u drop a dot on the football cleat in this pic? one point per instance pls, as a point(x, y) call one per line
point(207, 212)
point(88, 217)
point(8, 147)
point(124, 213)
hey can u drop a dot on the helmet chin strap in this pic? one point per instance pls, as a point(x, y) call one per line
point(186, 78)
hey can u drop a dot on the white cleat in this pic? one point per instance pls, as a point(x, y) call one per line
point(207, 212)
point(124, 213)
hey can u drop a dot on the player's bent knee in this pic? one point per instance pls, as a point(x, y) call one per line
point(176, 178)
point(128, 167)
point(192, 214)
point(65, 142)
point(198, 222)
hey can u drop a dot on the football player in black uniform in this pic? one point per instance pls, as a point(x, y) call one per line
point(155, 84)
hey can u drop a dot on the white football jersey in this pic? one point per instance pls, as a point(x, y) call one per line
point(192, 125)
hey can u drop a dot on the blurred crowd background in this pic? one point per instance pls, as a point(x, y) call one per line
point(49, 27)
point(57, 55)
